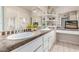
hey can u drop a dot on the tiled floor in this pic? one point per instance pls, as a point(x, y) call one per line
point(65, 47)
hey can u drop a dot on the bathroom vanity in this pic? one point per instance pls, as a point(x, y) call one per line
point(68, 35)
point(39, 41)
point(42, 43)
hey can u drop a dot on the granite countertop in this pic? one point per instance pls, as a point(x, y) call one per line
point(8, 45)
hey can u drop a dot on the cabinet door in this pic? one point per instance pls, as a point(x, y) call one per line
point(52, 38)
point(45, 42)
point(46, 46)
point(30, 47)
point(40, 49)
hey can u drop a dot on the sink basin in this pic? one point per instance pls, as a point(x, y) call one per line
point(18, 36)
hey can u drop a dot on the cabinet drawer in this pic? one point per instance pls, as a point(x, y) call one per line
point(46, 49)
point(31, 46)
point(40, 49)
point(45, 37)
point(46, 43)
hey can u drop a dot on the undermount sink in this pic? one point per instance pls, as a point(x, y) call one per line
point(18, 36)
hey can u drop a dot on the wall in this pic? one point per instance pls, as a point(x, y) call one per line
point(36, 17)
point(67, 9)
point(1, 19)
point(73, 15)
point(15, 18)
point(37, 14)
point(78, 17)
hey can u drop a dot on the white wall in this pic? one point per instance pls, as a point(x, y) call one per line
point(36, 16)
point(68, 9)
point(1, 19)
point(14, 16)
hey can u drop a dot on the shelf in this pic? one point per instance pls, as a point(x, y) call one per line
point(49, 14)
point(51, 20)
point(52, 26)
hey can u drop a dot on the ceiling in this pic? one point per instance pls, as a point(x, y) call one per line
point(57, 9)
point(66, 9)
point(32, 8)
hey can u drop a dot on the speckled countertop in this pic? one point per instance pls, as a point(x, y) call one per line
point(8, 45)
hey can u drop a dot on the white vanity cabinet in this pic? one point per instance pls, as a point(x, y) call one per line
point(52, 38)
point(48, 40)
point(40, 44)
point(40, 49)
point(31, 46)
point(45, 42)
